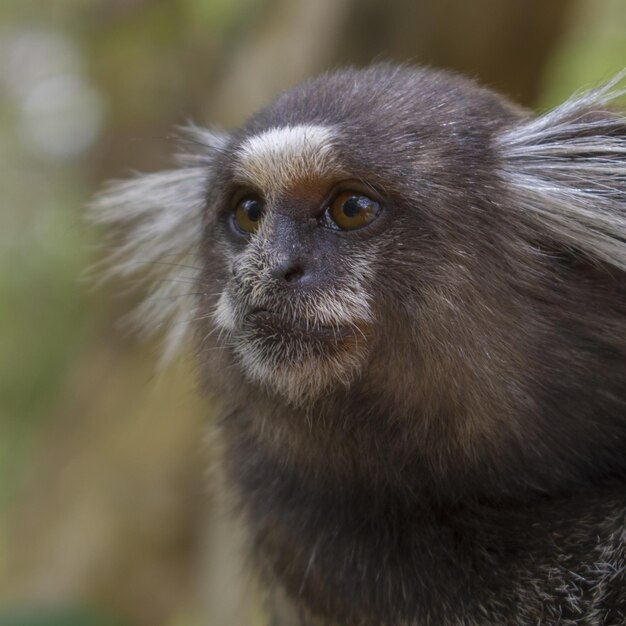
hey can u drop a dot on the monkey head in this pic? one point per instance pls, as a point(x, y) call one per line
point(400, 239)
point(330, 224)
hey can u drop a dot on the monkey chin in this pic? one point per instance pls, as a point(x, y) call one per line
point(299, 362)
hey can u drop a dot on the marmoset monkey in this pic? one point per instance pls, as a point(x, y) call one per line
point(408, 297)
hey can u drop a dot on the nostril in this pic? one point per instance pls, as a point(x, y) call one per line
point(288, 270)
point(235, 268)
point(293, 274)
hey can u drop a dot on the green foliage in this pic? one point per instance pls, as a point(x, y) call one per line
point(592, 51)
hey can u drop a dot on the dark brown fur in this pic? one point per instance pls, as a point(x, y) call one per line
point(474, 472)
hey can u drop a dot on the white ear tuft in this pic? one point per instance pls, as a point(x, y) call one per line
point(567, 168)
point(154, 226)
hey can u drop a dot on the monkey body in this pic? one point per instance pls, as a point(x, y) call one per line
point(356, 558)
point(411, 313)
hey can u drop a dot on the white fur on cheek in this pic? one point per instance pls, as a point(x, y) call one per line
point(279, 157)
point(293, 366)
point(224, 315)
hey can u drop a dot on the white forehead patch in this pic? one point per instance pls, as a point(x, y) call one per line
point(279, 157)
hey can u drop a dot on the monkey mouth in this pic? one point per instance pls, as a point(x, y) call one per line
point(296, 357)
point(274, 324)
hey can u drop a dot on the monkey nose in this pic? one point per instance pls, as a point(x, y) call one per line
point(290, 271)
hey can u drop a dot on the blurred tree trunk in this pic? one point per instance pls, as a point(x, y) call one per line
point(503, 43)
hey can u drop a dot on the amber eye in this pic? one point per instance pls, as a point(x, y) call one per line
point(248, 214)
point(349, 211)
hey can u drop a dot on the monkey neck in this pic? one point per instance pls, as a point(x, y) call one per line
point(352, 440)
point(345, 542)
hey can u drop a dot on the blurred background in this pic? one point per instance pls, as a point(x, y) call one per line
point(107, 515)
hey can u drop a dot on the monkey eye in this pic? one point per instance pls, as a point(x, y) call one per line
point(248, 213)
point(349, 211)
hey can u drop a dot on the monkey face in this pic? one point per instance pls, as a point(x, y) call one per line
point(301, 243)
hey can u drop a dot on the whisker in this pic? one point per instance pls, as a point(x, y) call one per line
point(164, 263)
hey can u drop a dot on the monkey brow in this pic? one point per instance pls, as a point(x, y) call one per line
point(275, 159)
